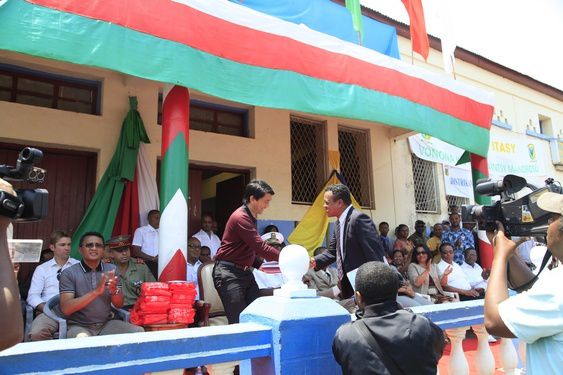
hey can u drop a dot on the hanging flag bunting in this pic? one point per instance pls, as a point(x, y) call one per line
point(355, 10)
point(229, 61)
point(173, 230)
point(102, 211)
point(419, 37)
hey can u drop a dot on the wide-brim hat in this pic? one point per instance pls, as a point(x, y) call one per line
point(119, 243)
point(551, 202)
point(273, 237)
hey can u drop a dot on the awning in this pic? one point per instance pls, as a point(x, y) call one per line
point(232, 52)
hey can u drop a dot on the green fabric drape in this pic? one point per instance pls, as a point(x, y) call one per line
point(102, 210)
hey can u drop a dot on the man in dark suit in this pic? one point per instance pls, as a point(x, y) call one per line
point(355, 240)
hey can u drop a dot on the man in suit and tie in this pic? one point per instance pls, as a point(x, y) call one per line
point(355, 240)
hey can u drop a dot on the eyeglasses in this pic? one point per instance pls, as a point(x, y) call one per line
point(91, 245)
point(420, 253)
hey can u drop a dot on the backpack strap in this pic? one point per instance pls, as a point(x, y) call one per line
point(362, 328)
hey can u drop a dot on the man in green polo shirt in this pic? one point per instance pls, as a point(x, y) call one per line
point(131, 272)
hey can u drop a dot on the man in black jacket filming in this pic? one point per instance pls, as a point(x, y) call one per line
point(385, 339)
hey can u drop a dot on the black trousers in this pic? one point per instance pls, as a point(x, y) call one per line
point(237, 289)
point(153, 267)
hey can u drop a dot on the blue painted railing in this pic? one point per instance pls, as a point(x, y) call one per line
point(259, 347)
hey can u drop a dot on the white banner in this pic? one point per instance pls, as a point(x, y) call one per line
point(509, 154)
point(458, 182)
point(435, 150)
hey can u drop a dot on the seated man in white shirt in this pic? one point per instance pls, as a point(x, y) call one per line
point(206, 236)
point(145, 242)
point(45, 284)
point(194, 248)
point(475, 274)
point(457, 280)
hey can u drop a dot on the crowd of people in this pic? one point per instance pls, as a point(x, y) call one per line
point(366, 270)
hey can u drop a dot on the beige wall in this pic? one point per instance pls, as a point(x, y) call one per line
point(267, 154)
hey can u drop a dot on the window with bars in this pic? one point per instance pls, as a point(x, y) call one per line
point(425, 185)
point(308, 159)
point(26, 86)
point(455, 203)
point(214, 118)
point(355, 164)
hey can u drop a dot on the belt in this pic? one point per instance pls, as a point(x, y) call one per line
point(237, 266)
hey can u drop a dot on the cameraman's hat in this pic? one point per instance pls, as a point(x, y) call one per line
point(119, 243)
point(551, 202)
point(273, 237)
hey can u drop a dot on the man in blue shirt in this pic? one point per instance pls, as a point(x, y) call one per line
point(460, 238)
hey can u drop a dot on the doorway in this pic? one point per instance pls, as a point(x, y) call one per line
point(214, 190)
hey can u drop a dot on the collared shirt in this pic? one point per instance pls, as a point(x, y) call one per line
point(80, 279)
point(211, 241)
point(341, 222)
point(536, 317)
point(45, 284)
point(457, 278)
point(135, 276)
point(474, 275)
point(146, 238)
point(241, 241)
point(192, 275)
point(466, 240)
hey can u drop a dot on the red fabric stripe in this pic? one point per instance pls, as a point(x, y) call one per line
point(176, 269)
point(127, 219)
point(180, 23)
point(175, 117)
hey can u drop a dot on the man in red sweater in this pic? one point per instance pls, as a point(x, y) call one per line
point(241, 251)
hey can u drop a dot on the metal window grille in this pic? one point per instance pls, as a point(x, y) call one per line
point(455, 203)
point(307, 159)
point(425, 185)
point(355, 164)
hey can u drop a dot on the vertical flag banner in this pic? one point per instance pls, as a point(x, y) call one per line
point(173, 230)
point(103, 209)
point(447, 18)
point(480, 170)
point(419, 37)
point(355, 10)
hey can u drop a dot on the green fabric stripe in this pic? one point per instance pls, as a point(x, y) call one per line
point(174, 171)
point(35, 30)
point(479, 199)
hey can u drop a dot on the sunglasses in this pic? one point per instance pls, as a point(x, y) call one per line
point(91, 245)
point(420, 253)
point(59, 274)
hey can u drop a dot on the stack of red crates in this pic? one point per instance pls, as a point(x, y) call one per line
point(164, 303)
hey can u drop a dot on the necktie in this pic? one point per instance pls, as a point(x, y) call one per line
point(339, 267)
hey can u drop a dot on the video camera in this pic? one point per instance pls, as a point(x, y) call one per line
point(27, 204)
point(520, 217)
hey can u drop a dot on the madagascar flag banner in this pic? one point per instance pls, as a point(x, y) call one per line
point(232, 52)
point(103, 209)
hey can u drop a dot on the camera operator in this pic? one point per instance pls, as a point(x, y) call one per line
point(11, 323)
point(536, 315)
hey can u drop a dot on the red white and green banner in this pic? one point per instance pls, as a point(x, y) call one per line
point(232, 52)
point(173, 230)
point(480, 170)
point(124, 189)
